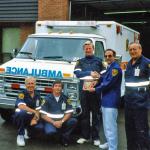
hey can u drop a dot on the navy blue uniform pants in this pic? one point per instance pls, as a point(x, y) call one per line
point(90, 103)
point(22, 119)
point(137, 130)
point(64, 131)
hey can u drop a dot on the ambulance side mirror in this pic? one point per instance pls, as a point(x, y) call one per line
point(14, 52)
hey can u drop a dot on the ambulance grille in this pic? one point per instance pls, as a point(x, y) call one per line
point(40, 85)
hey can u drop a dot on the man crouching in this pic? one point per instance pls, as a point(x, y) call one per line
point(27, 110)
point(57, 113)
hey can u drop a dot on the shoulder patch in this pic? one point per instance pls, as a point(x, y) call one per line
point(114, 72)
point(149, 65)
point(69, 101)
point(21, 96)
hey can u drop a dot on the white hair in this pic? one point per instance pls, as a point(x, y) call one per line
point(30, 79)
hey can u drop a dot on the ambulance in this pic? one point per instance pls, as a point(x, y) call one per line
point(51, 53)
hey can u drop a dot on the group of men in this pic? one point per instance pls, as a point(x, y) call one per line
point(51, 115)
point(103, 93)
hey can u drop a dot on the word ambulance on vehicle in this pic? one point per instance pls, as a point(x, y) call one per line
point(51, 53)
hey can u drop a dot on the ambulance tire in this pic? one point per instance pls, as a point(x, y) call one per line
point(6, 114)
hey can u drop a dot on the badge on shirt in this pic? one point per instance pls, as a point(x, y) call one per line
point(63, 106)
point(149, 65)
point(21, 96)
point(114, 72)
point(37, 102)
point(136, 72)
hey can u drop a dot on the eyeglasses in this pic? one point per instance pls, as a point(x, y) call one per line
point(109, 56)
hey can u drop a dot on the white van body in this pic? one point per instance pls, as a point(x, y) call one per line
point(51, 53)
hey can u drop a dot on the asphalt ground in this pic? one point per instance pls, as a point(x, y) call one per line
point(8, 139)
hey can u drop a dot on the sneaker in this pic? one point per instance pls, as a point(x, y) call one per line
point(64, 142)
point(81, 141)
point(104, 146)
point(96, 142)
point(20, 140)
point(26, 134)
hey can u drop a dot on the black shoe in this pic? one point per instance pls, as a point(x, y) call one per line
point(64, 142)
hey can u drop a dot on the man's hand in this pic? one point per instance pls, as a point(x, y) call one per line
point(57, 124)
point(95, 74)
point(91, 90)
point(36, 114)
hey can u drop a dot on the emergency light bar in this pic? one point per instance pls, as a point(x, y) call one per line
point(68, 23)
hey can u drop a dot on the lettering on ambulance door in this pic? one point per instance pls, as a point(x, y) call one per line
point(99, 49)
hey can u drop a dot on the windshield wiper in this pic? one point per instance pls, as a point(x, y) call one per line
point(27, 53)
point(58, 58)
point(53, 57)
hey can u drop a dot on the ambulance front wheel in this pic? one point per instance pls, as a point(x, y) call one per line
point(6, 114)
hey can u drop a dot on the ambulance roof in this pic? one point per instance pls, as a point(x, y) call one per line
point(67, 35)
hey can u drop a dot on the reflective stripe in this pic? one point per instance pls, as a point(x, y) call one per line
point(21, 104)
point(131, 84)
point(69, 111)
point(78, 69)
point(38, 108)
point(18, 110)
point(43, 112)
point(54, 116)
point(102, 72)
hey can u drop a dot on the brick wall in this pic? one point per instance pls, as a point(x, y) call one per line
point(53, 9)
point(25, 31)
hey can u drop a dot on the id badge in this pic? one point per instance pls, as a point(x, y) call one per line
point(63, 107)
point(137, 72)
point(37, 102)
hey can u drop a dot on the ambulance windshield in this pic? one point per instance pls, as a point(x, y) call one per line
point(46, 48)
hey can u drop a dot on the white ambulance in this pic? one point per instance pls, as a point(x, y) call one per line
point(51, 53)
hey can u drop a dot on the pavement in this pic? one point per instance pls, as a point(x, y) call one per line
point(8, 139)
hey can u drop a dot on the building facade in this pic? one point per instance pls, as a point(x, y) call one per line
point(18, 17)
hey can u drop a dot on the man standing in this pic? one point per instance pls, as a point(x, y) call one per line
point(137, 92)
point(89, 66)
point(57, 112)
point(110, 87)
point(27, 110)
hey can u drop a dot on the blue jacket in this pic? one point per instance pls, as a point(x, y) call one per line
point(137, 96)
point(56, 110)
point(25, 98)
point(85, 65)
point(110, 86)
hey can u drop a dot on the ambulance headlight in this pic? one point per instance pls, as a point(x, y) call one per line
point(72, 86)
point(72, 95)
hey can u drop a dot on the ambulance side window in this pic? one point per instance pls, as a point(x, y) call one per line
point(99, 49)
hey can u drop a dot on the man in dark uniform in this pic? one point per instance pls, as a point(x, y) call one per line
point(89, 66)
point(137, 92)
point(27, 110)
point(57, 113)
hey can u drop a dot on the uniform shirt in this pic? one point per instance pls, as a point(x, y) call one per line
point(110, 86)
point(137, 96)
point(25, 98)
point(56, 110)
point(85, 65)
